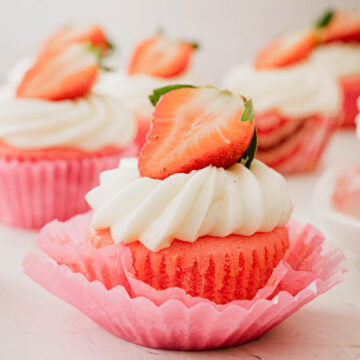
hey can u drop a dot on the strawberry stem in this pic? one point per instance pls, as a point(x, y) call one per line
point(324, 20)
point(249, 154)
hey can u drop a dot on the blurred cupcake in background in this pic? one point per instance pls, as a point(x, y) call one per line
point(337, 202)
point(56, 136)
point(303, 84)
point(295, 111)
point(339, 53)
point(155, 62)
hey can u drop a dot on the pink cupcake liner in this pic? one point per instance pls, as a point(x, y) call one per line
point(34, 192)
point(292, 145)
point(99, 282)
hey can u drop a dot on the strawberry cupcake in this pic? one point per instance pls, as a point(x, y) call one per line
point(155, 62)
point(295, 112)
point(194, 233)
point(56, 136)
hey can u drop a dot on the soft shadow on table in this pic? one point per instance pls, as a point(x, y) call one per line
point(306, 335)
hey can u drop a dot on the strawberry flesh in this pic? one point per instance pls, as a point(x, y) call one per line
point(344, 26)
point(193, 128)
point(161, 57)
point(286, 50)
point(68, 75)
point(70, 34)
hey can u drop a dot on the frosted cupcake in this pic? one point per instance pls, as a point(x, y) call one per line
point(295, 112)
point(155, 62)
point(194, 234)
point(56, 137)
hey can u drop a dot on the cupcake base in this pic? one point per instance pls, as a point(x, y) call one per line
point(34, 192)
point(99, 283)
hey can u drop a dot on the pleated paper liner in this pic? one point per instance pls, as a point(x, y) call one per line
point(34, 192)
point(291, 145)
point(99, 282)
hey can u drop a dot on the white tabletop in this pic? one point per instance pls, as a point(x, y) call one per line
point(36, 325)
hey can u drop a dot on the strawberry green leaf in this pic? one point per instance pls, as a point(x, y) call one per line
point(248, 113)
point(99, 54)
point(159, 92)
point(324, 20)
point(249, 154)
point(195, 45)
point(110, 47)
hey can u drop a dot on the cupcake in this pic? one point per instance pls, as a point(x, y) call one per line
point(191, 243)
point(295, 112)
point(56, 136)
point(154, 63)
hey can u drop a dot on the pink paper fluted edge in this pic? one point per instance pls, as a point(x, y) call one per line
point(172, 319)
point(34, 192)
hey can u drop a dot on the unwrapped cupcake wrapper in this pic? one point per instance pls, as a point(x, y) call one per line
point(99, 282)
point(34, 192)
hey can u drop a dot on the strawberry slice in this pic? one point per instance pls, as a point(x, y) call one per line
point(341, 26)
point(196, 127)
point(71, 34)
point(160, 56)
point(286, 50)
point(68, 75)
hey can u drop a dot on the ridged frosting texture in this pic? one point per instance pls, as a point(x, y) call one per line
point(134, 90)
point(88, 123)
point(338, 58)
point(299, 90)
point(211, 201)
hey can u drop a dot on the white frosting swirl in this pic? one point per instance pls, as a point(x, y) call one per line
point(340, 59)
point(89, 123)
point(211, 201)
point(299, 90)
point(134, 90)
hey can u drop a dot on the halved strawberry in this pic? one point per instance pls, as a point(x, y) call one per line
point(286, 50)
point(342, 26)
point(193, 128)
point(71, 34)
point(68, 75)
point(160, 56)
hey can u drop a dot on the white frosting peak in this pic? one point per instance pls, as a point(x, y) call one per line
point(134, 90)
point(89, 123)
point(211, 201)
point(299, 90)
point(340, 59)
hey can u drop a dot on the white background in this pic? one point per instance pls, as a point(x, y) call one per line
point(228, 30)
